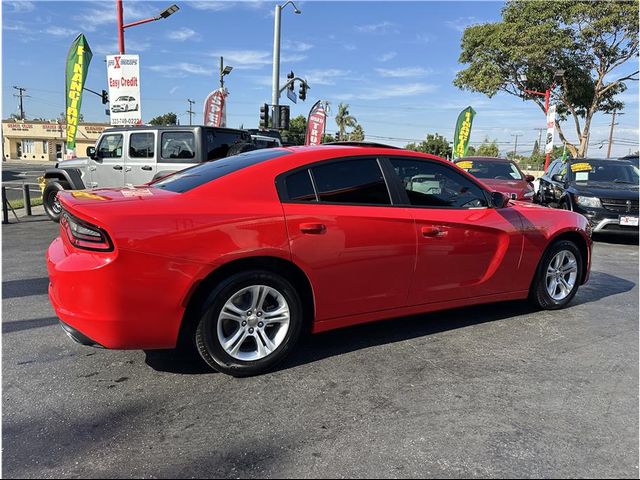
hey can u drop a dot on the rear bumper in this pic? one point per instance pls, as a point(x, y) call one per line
point(118, 300)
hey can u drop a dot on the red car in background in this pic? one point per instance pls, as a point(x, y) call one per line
point(500, 174)
point(242, 255)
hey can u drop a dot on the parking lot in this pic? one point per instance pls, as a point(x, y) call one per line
point(494, 391)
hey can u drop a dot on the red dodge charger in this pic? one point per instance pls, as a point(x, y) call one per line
point(242, 255)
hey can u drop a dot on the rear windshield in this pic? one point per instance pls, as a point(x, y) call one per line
point(193, 177)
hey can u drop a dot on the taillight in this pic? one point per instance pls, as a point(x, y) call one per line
point(85, 235)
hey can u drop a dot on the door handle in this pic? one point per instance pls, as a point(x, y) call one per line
point(146, 167)
point(127, 169)
point(117, 167)
point(432, 231)
point(313, 228)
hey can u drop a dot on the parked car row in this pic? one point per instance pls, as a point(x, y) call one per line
point(604, 191)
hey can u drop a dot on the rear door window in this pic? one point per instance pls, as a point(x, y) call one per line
point(178, 147)
point(351, 181)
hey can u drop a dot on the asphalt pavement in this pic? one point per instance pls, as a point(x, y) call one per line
point(493, 391)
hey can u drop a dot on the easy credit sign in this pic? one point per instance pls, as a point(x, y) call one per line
point(123, 72)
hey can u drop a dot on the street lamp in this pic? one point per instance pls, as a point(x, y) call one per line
point(224, 71)
point(557, 77)
point(167, 12)
point(275, 95)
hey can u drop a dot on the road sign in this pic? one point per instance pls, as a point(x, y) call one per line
point(292, 96)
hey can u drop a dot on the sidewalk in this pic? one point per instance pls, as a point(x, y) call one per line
point(37, 212)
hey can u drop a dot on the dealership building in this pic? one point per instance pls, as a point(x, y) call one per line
point(44, 141)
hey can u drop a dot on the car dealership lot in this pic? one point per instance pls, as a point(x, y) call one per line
point(498, 390)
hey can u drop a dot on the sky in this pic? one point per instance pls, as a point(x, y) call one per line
point(392, 62)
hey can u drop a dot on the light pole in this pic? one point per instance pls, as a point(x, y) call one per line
point(223, 71)
point(121, 26)
point(275, 94)
point(547, 96)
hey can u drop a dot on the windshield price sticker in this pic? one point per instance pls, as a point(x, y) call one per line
point(581, 167)
point(629, 221)
point(465, 165)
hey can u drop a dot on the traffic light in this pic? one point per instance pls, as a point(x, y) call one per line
point(302, 93)
point(284, 117)
point(105, 97)
point(337, 136)
point(290, 76)
point(264, 116)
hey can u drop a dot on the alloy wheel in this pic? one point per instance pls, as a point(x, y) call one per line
point(562, 274)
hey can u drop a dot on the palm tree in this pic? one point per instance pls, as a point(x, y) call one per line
point(344, 120)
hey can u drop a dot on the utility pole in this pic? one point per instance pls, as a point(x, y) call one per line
point(540, 130)
point(515, 148)
point(613, 122)
point(20, 95)
point(190, 111)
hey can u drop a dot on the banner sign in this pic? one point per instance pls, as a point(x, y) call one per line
point(215, 108)
point(551, 129)
point(316, 124)
point(463, 132)
point(123, 72)
point(78, 61)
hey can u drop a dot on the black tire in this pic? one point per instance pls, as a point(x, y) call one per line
point(538, 294)
point(206, 337)
point(51, 205)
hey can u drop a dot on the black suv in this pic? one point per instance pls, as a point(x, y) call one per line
point(604, 191)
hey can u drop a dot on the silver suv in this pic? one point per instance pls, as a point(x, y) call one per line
point(130, 156)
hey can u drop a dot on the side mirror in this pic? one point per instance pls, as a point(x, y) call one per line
point(529, 178)
point(91, 152)
point(557, 178)
point(499, 200)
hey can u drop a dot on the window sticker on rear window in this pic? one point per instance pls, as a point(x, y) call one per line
point(581, 167)
point(582, 176)
point(465, 165)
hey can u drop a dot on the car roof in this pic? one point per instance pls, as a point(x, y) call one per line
point(187, 128)
point(485, 159)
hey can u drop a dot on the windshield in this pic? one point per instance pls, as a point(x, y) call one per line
point(122, 99)
point(491, 169)
point(193, 177)
point(597, 171)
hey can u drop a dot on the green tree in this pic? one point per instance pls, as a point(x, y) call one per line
point(590, 41)
point(297, 131)
point(328, 138)
point(344, 120)
point(488, 149)
point(166, 119)
point(62, 118)
point(434, 144)
point(357, 135)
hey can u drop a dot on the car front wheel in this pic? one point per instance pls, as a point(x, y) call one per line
point(50, 199)
point(558, 276)
point(249, 323)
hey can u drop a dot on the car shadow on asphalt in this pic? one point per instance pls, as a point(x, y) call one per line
point(20, 325)
point(25, 288)
point(337, 342)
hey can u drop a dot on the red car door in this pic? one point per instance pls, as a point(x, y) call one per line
point(356, 248)
point(465, 249)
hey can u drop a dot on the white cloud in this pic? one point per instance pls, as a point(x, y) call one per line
point(173, 90)
point(461, 23)
point(325, 76)
point(181, 69)
point(385, 57)
point(382, 27)
point(20, 6)
point(105, 13)
point(254, 59)
point(403, 72)
point(389, 91)
point(213, 6)
point(60, 31)
point(183, 34)
point(350, 47)
point(14, 27)
point(296, 46)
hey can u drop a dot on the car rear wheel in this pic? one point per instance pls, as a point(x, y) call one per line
point(50, 201)
point(249, 323)
point(558, 276)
